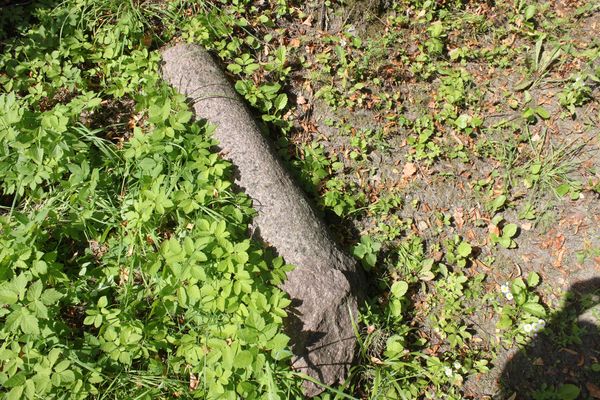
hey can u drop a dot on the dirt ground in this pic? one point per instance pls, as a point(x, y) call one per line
point(561, 242)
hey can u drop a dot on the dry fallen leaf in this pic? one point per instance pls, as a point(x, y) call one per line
point(572, 352)
point(147, 40)
point(458, 216)
point(422, 226)
point(559, 257)
point(471, 235)
point(494, 229)
point(194, 381)
point(438, 256)
point(123, 276)
point(593, 390)
point(408, 170)
point(295, 43)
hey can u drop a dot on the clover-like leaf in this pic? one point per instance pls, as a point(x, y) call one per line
point(464, 249)
point(509, 230)
point(399, 289)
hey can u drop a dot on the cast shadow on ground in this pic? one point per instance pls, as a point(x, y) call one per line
point(566, 352)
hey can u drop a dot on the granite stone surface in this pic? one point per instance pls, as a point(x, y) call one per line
point(326, 285)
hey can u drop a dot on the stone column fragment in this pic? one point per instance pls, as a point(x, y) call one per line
point(326, 283)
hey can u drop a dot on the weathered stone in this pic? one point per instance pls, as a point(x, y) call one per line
point(326, 283)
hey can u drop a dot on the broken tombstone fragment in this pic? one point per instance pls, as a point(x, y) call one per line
point(325, 286)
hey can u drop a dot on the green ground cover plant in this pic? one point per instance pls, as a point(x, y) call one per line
point(126, 268)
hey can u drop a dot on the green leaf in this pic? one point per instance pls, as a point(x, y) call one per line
point(535, 309)
point(193, 293)
point(394, 346)
point(436, 29)
point(61, 366)
point(15, 393)
point(250, 68)
point(50, 296)
point(15, 380)
point(498, 202)
point(182, 296)
point(102, 302)
point(520, 298)
point(29, 324)
point(234, 68)
point(183, 117)
point(147, 164)
point(518, 286)
point(371, 259)
point(39, 309)
point(568, 392)
point(270, 89)
point(279, 341)
point(509, 230)
point(574, 195)
point(67, 376)
point(359, 251)
point(462, 121)
point(530, 12)
point(20, 284)
point(426, 276)
point(8, 296)
point(464, 249)
point(505, 322)
point(533, 279)
point(35, 290)
point(395, 306)
point(125, 358)
point(505, 242)
point(280, 101)
point(523, 86)
point(563, 189)
point(243, 359)
point(30, 389)
point(542, 112)
point(399, 289)
point(538, 51)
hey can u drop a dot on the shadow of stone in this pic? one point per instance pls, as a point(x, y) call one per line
point(301, 339)
point(567, 351)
